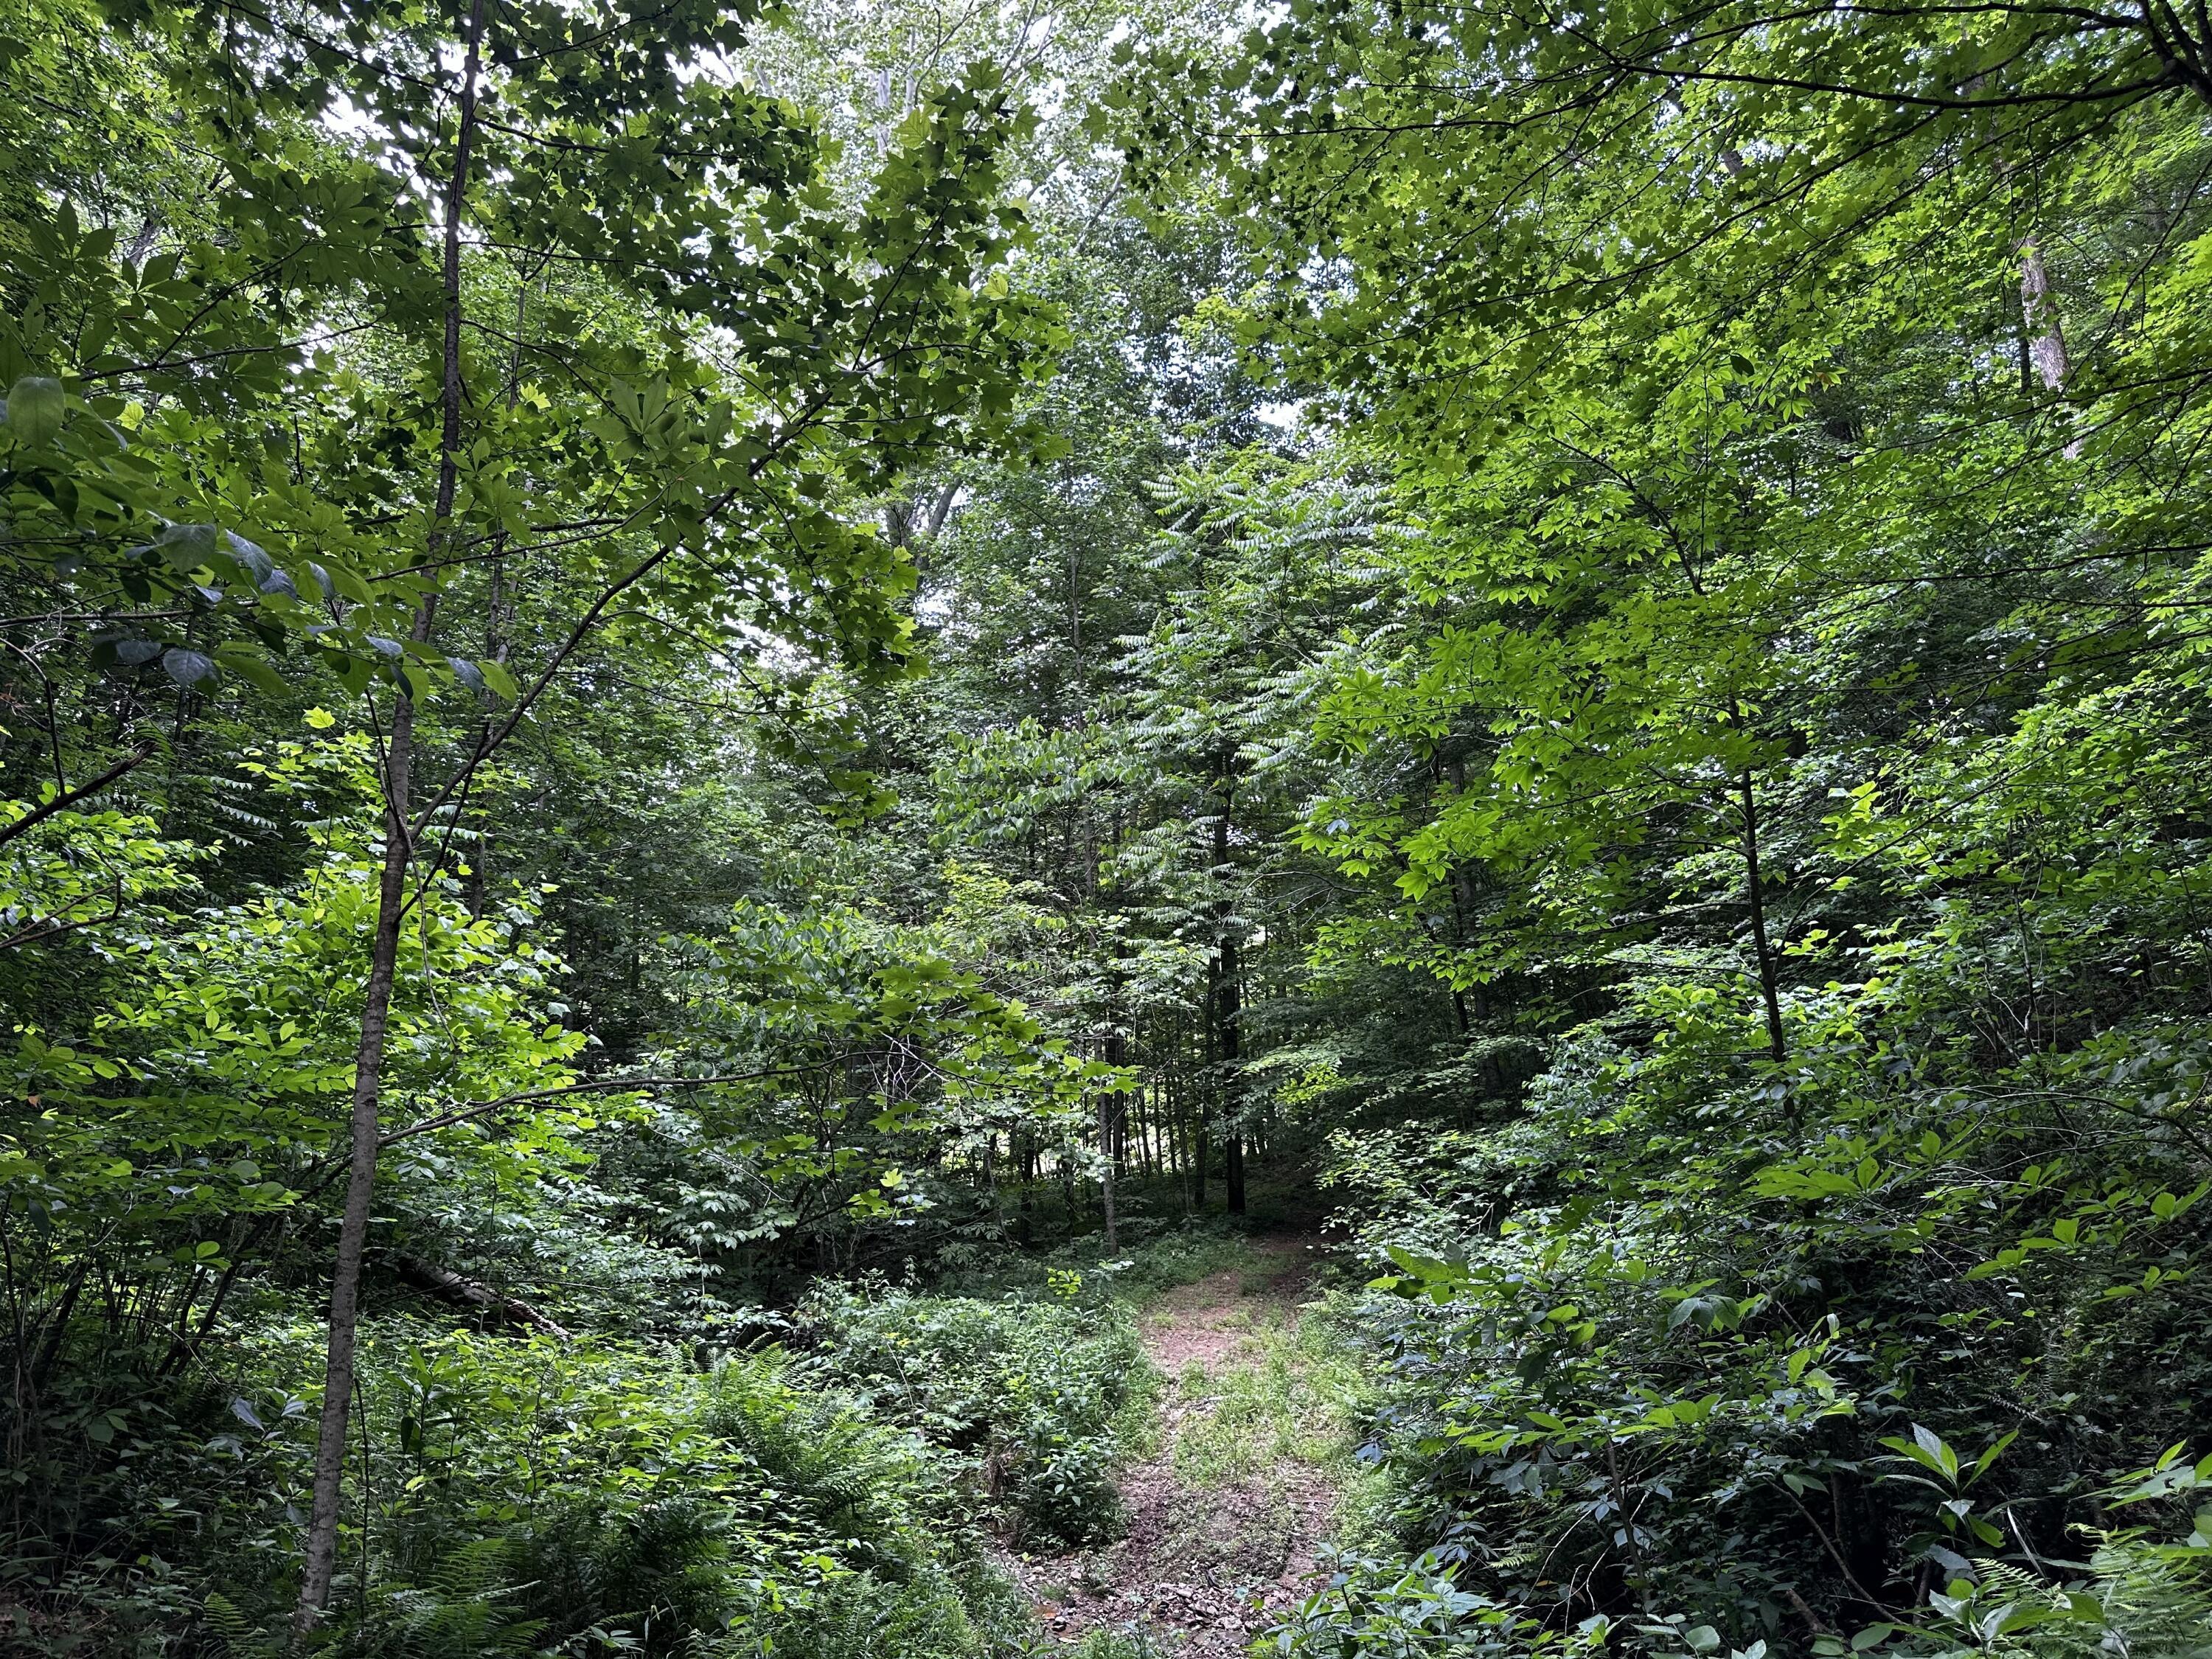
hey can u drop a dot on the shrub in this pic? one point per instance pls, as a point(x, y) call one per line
point(1412, 1610)
point(1026, 1390)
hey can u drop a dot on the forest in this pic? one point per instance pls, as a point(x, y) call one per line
point(963, 828)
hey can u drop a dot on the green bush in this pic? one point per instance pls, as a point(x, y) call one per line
point(1411, 1610)
point(584, 1500)
point(1025, 1390)
point(1665, 1343)
point(2137, 1599)
point(1153, 1257)
point(939, 1614)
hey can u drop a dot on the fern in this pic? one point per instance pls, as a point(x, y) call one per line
point(2140, 1602)
point(461, 1613)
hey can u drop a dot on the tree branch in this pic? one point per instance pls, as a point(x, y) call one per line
point(481, 1108)
point(69, 798)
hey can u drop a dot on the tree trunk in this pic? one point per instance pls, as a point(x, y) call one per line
point(2039, 309)
point(1225, 1005)
point(1229, 1010)
point(1777, 1045)
point(1025, 1218)
point(1112, 1109)
point(1106, 1106)
point(1198, 1149)
point(474, 1294)
point(329, 1476)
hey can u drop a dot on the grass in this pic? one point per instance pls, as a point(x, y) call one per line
point(1107, 1643)
point(1290, 1397)
point(1182, 1257)
point(1138, 1427)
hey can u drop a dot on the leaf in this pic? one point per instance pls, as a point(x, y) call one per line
point(1994, 1451)
point(186, 547)
point(1950, 1560)
point(35, 405)
point(1939, 1456)
point(248, 663)
point(188, 668)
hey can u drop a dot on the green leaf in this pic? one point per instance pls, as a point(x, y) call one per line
point(250, 665)
point(1994, 1451)
point(35, 406)
point(186, 667)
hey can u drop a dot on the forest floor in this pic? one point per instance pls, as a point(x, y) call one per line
point(1234, 1490)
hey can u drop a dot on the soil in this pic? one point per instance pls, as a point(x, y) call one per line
point(1201, 1572)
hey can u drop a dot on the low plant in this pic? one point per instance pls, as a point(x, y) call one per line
point(1413, 1610)
point(1027, 1390)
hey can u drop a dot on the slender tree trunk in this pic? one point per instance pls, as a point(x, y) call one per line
point(496, 606)
point(1762, 947)
point(1113, 1115)
point(1144, 1104)
point(1178, 1125)
point(1107, 1104)
point(1225, 1007)
point(1198, 1149)
point(328, 1480)
point(1025, 1218)
point(361, 1179)
point(1174, 1130)
point(1163, 1119)
point(1229, 1007)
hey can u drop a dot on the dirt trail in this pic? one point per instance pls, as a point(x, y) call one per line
point(1202, 1570)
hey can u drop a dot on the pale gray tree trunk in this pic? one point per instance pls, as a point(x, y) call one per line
point(2046, 336)
point(328, 1484)
point(2046, 339)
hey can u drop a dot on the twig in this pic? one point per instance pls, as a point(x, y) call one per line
point(605, 1086)
point(69, 798)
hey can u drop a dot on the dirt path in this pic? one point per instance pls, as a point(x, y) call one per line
point(1222, 1537)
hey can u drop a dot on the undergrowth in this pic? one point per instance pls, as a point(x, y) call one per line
point(1024, 1393)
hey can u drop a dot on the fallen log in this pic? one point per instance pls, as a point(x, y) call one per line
point(472, 1293)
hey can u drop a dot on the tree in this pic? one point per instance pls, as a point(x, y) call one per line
point(667, 466)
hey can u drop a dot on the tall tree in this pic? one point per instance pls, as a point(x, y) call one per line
point(664, 466)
